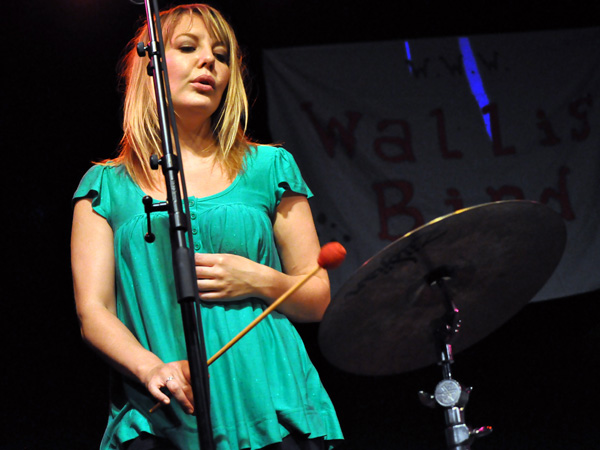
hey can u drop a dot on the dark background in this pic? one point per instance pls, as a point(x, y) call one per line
point(533, 379)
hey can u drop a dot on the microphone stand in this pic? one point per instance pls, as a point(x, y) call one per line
point(182, 254)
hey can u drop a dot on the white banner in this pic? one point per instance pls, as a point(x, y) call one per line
point(391, 135)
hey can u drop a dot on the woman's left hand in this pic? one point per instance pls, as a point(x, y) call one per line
point(227, 277)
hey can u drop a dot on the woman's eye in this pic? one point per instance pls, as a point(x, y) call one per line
point(222, 57)
point(187, 49)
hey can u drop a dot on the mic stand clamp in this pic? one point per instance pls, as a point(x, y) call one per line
point(149, 205)
point(149, 208)
point(449, 393)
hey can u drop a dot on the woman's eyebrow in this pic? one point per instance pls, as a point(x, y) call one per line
point(186, 34)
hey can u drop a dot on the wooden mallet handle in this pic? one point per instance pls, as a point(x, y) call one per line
point(330, 257)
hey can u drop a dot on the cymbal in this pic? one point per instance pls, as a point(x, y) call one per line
point(492, 258)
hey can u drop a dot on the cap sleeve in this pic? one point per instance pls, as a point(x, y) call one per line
point(91, 186)
point(287, 176)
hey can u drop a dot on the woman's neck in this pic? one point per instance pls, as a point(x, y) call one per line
point(196, 141)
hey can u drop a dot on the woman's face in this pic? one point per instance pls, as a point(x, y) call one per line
point(198, 69)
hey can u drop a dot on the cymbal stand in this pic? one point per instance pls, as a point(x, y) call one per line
point(449, 393)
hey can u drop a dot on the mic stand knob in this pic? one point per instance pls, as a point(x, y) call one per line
point(155, 162)
point(141, 49)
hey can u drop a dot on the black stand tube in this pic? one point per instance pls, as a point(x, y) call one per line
point(182, 254)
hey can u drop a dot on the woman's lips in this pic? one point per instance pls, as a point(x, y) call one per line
point(204, 83)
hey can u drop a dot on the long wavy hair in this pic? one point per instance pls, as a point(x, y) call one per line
point(141, 130)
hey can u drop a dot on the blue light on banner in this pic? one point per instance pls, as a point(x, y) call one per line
point(475, 82)
point(407, 48)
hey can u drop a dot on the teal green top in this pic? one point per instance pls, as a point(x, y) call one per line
point(265, 386)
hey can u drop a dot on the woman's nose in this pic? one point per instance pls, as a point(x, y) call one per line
point(207, 58)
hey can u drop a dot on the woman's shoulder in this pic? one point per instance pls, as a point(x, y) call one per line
point(269, 148)
point(113, 193)
point(105, 169)
point(268, 154)
point(276, 166)
point(100, 177)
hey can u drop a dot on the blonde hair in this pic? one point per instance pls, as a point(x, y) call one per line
point(141, 130)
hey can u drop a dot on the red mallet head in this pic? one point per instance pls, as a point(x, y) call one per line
point(331, 256)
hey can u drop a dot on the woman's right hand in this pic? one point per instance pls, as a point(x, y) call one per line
point(93, 264)
point(175, 377)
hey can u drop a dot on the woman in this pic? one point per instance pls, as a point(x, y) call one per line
point(254, 238)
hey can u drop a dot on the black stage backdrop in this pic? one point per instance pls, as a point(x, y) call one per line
point(533, 378)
